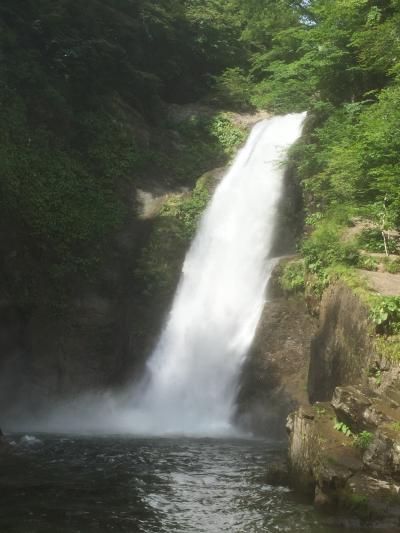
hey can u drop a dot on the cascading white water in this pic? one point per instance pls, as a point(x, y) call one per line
point(192, 375)
point(193, 371)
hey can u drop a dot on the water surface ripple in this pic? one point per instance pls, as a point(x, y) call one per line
point(61, 484)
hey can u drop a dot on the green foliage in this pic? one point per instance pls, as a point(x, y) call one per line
point(228, 135)
point(386, 314)
point(187, 208)
point(368, 263)
point(363, 440)
point(376, 373)
point(75, 76)
point(313, 218)
point(341, 426)
point(172, 230)
point(392, 266)
point(59, 204)
point(158, 265)
point(372, 240)
point(292, 276)
point(395, 426)
point(81, 121)
point(205, 142)
point(232, 89)
point(388, 346)
point(324, 248)
point(360, 440)
point(320, 410)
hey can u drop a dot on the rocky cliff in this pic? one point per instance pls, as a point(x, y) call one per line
point(344, 448)
point(274, 376)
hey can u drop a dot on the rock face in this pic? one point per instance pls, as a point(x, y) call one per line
point(274, 376)
point(383, 454)
point(342, 347)
point(84, 346)
point(102, 337)
point(325, 462)
point(346, 450)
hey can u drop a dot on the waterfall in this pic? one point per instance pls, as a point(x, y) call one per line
point(191, 381)
point(192, 374)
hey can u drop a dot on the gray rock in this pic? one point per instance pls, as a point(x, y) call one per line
point(350, 405)
point(383, 454)
point(372, 498)
point(341, 349)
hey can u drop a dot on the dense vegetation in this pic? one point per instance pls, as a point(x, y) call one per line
point(83, 88)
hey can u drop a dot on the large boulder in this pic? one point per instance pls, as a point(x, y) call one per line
point(374, 500)
point(321, 459)
point(350, 405)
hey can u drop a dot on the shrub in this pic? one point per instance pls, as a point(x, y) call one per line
point(392, 266)
point(228, 134)
point(368, 263)
point(292, 277)
point(386, 314)
point(233, 89)
point(324, 248)
point(363, 440)
point(372, 240)
point(187, 208)
point(343, 428)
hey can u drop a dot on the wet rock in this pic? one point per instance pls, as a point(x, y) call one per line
point(383, 454)
point(331, 476)
point(372, 498)
point(358, 472)
point(322, 500)
point(321, 459)
point(325, 462)
point(303, 448)
point(274, 376)
point(277, 473)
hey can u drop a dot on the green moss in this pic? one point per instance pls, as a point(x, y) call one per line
point(187, 208)
point(356, 502)
point(395, 426)
point(319, 409)
point(173, 229)
point(292, 276)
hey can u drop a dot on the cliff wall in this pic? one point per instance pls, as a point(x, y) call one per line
point(343, 449)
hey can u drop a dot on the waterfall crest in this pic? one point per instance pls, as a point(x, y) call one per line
point(193, 371)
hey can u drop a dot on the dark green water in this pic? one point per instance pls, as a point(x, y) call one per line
point(67, 484)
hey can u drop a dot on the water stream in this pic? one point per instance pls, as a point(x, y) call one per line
point(193, 372)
